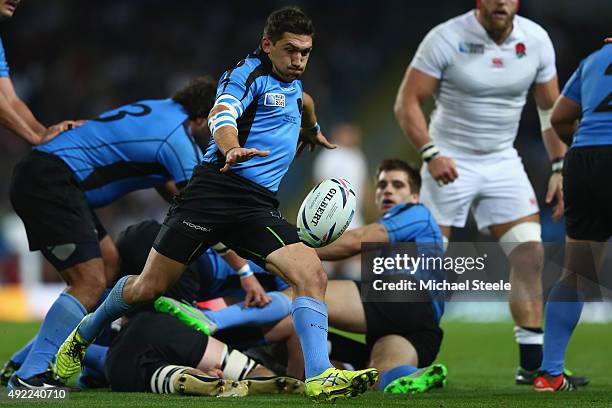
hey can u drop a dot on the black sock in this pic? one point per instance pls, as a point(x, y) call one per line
point(530, 354)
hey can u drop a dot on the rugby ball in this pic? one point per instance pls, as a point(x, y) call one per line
point(326, 212)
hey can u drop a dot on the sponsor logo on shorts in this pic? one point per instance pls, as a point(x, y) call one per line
point(197, 227)
point(274, 99)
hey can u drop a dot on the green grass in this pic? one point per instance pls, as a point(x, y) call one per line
point(481, 359)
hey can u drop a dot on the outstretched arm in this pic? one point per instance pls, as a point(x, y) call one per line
point(16, 116)
point(349, 243)
point(545, 94)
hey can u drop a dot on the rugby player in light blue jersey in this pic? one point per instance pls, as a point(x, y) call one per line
point(14, 113)
point(259, 117)
point(403, 337)
point(583, 117)
point(57, 186)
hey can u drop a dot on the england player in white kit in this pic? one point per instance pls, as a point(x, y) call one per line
point(479, 67)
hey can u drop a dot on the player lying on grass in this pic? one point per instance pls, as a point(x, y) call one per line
point(209, 277)
point(145, 354)
point(401, 336)
point(155, 352)
point(57, 186)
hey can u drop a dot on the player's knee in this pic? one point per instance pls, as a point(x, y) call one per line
point(311, 275)
point(523, 245)
point(87, 285)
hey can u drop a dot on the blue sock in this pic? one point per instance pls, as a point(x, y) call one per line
point(562, 313)
point(310, 323)
point(394, 373)
point(95, 357)
point(111, 309)
point(238, 315)
point(65, 313)
point(20, 356)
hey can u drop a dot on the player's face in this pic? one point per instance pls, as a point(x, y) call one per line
point(8, 7)
point(498, 14)
point(392, 188)
point(289, 55)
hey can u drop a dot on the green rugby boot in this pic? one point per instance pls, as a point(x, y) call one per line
point(188, 315)
point(420, 381)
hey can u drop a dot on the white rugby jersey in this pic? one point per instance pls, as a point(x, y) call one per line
point(483, 85)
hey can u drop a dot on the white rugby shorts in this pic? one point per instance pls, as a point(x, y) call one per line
point(494, 186)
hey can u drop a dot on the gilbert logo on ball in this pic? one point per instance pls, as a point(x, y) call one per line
point(326, 212)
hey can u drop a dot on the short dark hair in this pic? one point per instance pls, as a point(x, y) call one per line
point(197, 97)
point(414, 177)
point(287, 20)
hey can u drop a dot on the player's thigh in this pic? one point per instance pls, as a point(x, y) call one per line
point(392, 351)
point(344, 306)
point(506, 195)
point(450, 204)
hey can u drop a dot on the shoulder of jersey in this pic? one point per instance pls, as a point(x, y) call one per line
point(530, 27)
point(452, 26)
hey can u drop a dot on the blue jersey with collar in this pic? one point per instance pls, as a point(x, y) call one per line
point(4, 67)
point(270, 119)
point(214, 272)
point(591, 87)
point(415, 223)
point(133, 147)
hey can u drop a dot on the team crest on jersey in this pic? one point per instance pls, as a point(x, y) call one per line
point(274, 99)
point(521, 50)
point(471, 48)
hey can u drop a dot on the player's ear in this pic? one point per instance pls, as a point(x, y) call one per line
point(415, 198)
point(266, 44)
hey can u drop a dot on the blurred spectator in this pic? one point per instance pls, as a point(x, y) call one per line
point(349, 162)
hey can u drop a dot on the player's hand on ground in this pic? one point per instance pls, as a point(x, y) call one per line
point(442, 169)
point(312, 140)
point(241, 154)
point(255, 293)
point(555, 192)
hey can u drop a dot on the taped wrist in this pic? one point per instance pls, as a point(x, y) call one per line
point(428, 152)
point(557, 165)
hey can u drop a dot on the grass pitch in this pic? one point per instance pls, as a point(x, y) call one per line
point(481, 359)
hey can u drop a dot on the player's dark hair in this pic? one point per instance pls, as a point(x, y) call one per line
point(414, 177)
point(197, 97)
point(287, 20)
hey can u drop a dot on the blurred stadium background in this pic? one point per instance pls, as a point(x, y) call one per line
point(72, 59)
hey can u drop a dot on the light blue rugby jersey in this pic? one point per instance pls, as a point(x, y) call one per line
point(591, 87)
point(4, 67)
point(415, 223)
point(270, 120)
point(133, 147)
